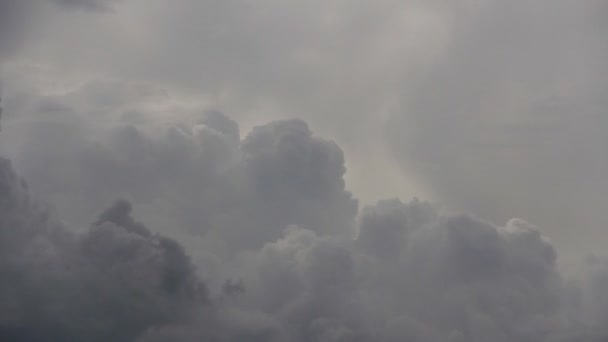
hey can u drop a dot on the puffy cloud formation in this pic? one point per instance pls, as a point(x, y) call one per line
point(484, 97)
point(113, 282)
point(198, 177)
point(291, 263)
point(267, 243)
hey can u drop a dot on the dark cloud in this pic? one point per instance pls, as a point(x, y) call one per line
point(410, 274)
point(113, 282)
point(445, 278)
point(12, 15)
point(265, 217)
point(458, 276)
point(95, 5)
point(120, 214)
point(197, 177)
point(298, 175)
point(383, 228)
point(400, 271)
point(218, 121)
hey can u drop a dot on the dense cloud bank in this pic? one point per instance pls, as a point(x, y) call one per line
point(199, 177)
point(111, 283)
point(476, 98)
point(255, 237)
point(291, 259)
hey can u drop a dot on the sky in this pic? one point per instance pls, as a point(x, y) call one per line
point(338, 170)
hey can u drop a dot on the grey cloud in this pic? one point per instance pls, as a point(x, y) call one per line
point(506, 121)
point(224, 52)
point(223, 124)
point(284, 159)
point(12, 15)
point(412, 273)
point(267, 218)
point(449, 278)
point(486, 97)
point(409, 273)
point(120, 214)
point(593, 310)
point(197, 176)
point(110, 283)
point(458, 276)
point(383, 228)
point(308, 282)
point(96, 5)
point(16, 17)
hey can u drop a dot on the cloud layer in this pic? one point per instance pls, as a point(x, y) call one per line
point(248, 232)
point(113, 282)
point(278, 246)
point(510, 118)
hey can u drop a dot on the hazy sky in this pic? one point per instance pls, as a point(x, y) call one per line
point(489, 107)
point(261, 134)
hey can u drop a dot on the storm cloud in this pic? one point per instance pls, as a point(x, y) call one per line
point(282, 267)
point(115, 281)
point(239, 150)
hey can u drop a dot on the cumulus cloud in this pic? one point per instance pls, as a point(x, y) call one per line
point(509, 88)
point(252, 234)
point(281, 245)
point(197, 175)
point(458, 277)
point(113, 282)
point(484, 97)
point(410, 273)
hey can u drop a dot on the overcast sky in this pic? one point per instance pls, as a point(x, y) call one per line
point(224, 122)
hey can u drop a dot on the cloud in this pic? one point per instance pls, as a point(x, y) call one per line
point(12, 15)
point(95, 5)
point(512, 106)
point(458, 276)
point(284, 251)
point(448, 278)
point(410, 273)
point(115, 281)
point(17, 16)
point(481, 97)
point(195, 175)
point(253, 234)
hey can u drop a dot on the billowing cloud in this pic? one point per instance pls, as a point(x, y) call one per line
point(411, 273)
point(114, 282)
point(283, 250)
point(482, 97)
point(195, 175)
point(251, 232)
